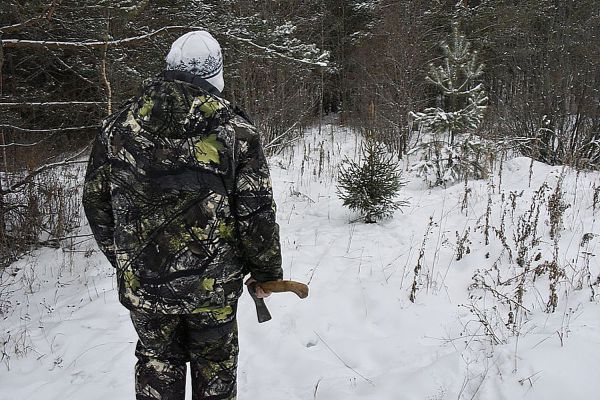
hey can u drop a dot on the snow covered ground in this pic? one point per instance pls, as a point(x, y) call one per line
point(358, 336)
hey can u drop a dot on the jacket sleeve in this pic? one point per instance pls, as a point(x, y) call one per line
point(254, 210)
point(97, 200)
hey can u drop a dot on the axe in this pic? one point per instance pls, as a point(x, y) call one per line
point(276, 287)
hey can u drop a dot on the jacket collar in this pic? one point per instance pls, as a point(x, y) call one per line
point(187, 77)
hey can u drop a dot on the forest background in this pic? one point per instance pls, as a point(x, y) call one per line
point(290, 64)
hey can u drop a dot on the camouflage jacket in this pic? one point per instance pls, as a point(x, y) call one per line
point(179, 199)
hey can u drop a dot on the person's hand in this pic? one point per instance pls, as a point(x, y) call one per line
point(259, 292)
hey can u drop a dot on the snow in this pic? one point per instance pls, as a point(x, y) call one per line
point(357, 336)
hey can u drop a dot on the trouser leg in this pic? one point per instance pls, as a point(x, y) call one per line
point(212, 342)
point(161, 369)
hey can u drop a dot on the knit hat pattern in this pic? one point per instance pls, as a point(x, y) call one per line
point(198, 53)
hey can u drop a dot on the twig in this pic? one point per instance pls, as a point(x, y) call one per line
point(53, 103)
point(505, 297)
point(46, 15)
point(14, 144)
point(70, 68)
point(480, 384)
point(344, 362)
point(317, 388)
point(56, 241)
point(51, 130)
point(273, 142)
point(522, 380)
point(33, 174)
point(44, 44)
point(92, 348)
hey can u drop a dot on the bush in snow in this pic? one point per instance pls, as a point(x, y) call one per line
point(371, 185)
point(449, 149)
point(441, 162)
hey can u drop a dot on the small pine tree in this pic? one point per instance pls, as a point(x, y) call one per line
point(370, 186)
point(450, 151)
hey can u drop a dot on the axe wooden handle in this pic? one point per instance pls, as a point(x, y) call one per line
point(285, 286)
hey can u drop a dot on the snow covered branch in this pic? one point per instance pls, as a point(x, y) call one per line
point(13, 144)
point(319, 62)
point(46, 44)
point(53, 103)
point(104, 44)
point(48, 130)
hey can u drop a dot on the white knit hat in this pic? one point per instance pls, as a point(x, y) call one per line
point(200, 54)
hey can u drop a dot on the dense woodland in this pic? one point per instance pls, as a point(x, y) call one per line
point(66, 65)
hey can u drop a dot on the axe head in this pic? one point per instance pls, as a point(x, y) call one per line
point(261, 308)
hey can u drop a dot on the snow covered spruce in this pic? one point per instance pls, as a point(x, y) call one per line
point(370, 186)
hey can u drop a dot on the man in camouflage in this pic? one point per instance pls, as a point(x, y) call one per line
point(179, 199)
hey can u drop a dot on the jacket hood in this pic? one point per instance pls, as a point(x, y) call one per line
point(177, 105)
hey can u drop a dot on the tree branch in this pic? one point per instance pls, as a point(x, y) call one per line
point(42, 44)
point(68, 161)
point(46, 15)
point(13, 144)
point(70, 68)
point(54, 103)
point(51, 130)
point(272, 51)
point(103, 73)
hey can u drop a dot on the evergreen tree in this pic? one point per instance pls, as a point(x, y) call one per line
point(450, 150)
point(370, 186)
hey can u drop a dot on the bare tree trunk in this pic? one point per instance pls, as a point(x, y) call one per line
point(3, 243)
point(103, 73)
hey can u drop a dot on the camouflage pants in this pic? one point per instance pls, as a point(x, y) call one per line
point(208, 341)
